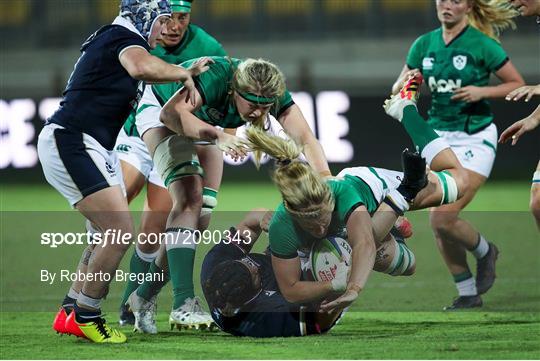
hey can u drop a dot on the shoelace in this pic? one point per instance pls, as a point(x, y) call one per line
point(102, 327)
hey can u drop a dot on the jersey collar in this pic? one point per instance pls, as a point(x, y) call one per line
point(127, 24)
point(456, 37)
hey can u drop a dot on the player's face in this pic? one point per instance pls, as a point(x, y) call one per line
point(249, 111)
point(174, 32)
point(317, 227)
point(451, 12)
point(526, 7)
point(155, 34)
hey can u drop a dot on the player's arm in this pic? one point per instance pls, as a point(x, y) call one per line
point(141, 65)
point(287, 272)
point(178, 114)
point(516, 130)
point(251, 227)
point(360, 237)
point(296, 126)
point(510, 80)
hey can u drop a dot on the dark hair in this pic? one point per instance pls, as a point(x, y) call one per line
point(229, 286)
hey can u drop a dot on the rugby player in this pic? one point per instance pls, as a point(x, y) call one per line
point(180, 41)
point(232, 93)
point(527, 8)
point(456, 61)
point(75, 146)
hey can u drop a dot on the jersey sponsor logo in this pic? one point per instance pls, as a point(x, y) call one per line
point(215, 114)
point(443, 85)
point(123, 148)
point(460, 61)
point(269, 293)
point(140, 90)
point(427, 63)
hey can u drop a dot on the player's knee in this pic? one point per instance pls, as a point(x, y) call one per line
point(452, 185)
point(442, 222)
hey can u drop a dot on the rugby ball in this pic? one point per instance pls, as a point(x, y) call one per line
point(325, 256)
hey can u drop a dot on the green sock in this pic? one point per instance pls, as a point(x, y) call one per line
point(181, 262)
point(418, 129)
point(150, 288)
point(137, 266)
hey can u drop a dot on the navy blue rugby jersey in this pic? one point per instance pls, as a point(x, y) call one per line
point(100, 93)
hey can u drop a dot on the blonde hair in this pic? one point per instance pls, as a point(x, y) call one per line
point(261, 77)
point(492, 16)
point(304, 192)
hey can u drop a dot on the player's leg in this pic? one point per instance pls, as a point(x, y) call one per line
point(175, 159)
point(454, 237)
point(153, 219)
point(211, 159)
point(439, 156)
point(535, 196)
point(394, 257)
point(89, 176)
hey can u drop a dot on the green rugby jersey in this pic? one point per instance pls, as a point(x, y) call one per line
point(195, 43)
point(286, 236)
point(214, 85)
point(467, 60)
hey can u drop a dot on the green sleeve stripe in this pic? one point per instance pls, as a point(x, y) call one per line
point(489, 144)
point(372, 170)
point(284, 256)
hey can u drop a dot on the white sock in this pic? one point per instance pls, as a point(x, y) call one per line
point(89, 301)
point(481, 248)
point(467, 287)
point(72, 293)
point(147, 257)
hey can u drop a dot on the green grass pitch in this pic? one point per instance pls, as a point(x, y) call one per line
point(395, 317)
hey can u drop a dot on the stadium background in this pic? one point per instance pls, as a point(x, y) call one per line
point(340, 58)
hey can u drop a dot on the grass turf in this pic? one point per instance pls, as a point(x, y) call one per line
point(394, 317)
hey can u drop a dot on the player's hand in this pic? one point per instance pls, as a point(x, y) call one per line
point(468, 94)
point(519, 128)
point(198, 67)
point(339, 283)
point(235, 147)
point(265, 221)
point(343, 301)
point(527, 91)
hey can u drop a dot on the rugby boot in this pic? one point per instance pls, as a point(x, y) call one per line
point(71, 326)
point(408, 95)
point(126, 316)
point(191, 316)
point(59, 323)
point(96, 330)
point(144, 312)
point(464, 302)
point(414, 175)
point(485, 269)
